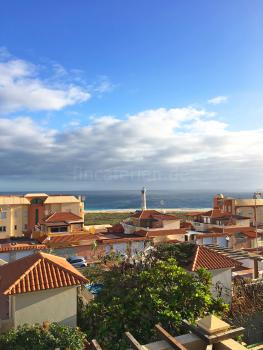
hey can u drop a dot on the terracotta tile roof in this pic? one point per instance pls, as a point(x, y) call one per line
point(38, 272)
point(219, 214)
point(61, 217)
point(185, 224)
point(116, 228)
point(216, 213)
point(152, 215)
point(209, 235)
point(122, 239)
point(210, 260)
point(229, 231)
point(68, 238)
point(7, 247)
point(157, 233)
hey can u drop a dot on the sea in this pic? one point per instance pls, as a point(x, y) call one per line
point(131, 199)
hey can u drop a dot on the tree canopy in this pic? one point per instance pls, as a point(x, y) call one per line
point(43, 337)
point(135, 298)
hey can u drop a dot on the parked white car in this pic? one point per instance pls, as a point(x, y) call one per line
point(77, 261)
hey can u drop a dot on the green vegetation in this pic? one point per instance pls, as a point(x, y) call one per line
point(136, 297)
point(181, 252)
point(115, 217)
point(46, 337)
point(104, 218)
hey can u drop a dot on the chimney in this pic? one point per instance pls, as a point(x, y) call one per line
point(143, 199)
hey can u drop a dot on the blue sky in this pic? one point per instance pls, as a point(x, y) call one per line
point(126, 58)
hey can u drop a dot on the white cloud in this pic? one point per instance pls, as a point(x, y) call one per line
point(22, 88)
point(218, 100)
point(179, 146)
point(103, 85)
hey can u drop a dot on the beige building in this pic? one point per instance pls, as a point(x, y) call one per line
point(13, 216)
point(150, 220)
point(251, 207)
point(216, 218)
point(38, 288)
point(21, 215)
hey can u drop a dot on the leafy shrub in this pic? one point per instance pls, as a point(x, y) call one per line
point(45, 337)
point(136, 298)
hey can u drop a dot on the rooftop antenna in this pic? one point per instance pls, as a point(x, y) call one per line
point(143, 199)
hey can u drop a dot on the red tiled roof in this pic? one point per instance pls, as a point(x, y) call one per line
point(157, 233)
point(210, 260)
point(188, 225)
point(118, 228)
point(38, 272)
point(62, 217)
point(152, 214)
point(216, 213)
point(219, 214)
point(66, 238)
point(7, 247)
point(247, 231)
point(122, 239)
point(209, 235)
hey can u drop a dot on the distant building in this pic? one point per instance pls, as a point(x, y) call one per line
point(205, 221)
point(224, 229)
point(150, 220)
point(15, 250)
point(60, 222)
point(236, 238)
point(251, 207)
point(21, 215)
point(38, 288)
point(218, 265)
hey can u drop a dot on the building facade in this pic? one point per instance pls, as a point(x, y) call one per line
point(21, 215)
point(38, 288)
point(250, 207)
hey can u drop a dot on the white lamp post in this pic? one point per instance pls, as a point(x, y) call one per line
point(257, 195)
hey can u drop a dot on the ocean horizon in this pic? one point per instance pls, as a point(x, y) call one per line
point(163, 199)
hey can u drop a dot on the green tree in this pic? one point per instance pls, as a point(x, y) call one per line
point(46, 337)
point(136, 298)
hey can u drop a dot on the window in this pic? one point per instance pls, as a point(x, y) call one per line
point(37, 201)
point(3, 214)
point(36, 216)
point(2, 228)
point(25, 226)
point(59, 229)
point(15, 227)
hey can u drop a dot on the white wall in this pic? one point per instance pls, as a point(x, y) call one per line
point(16, 254)
point(171, 224)
point(54, 305)
point(223, 277)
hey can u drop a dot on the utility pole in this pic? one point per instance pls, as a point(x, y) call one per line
point(256, 196)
